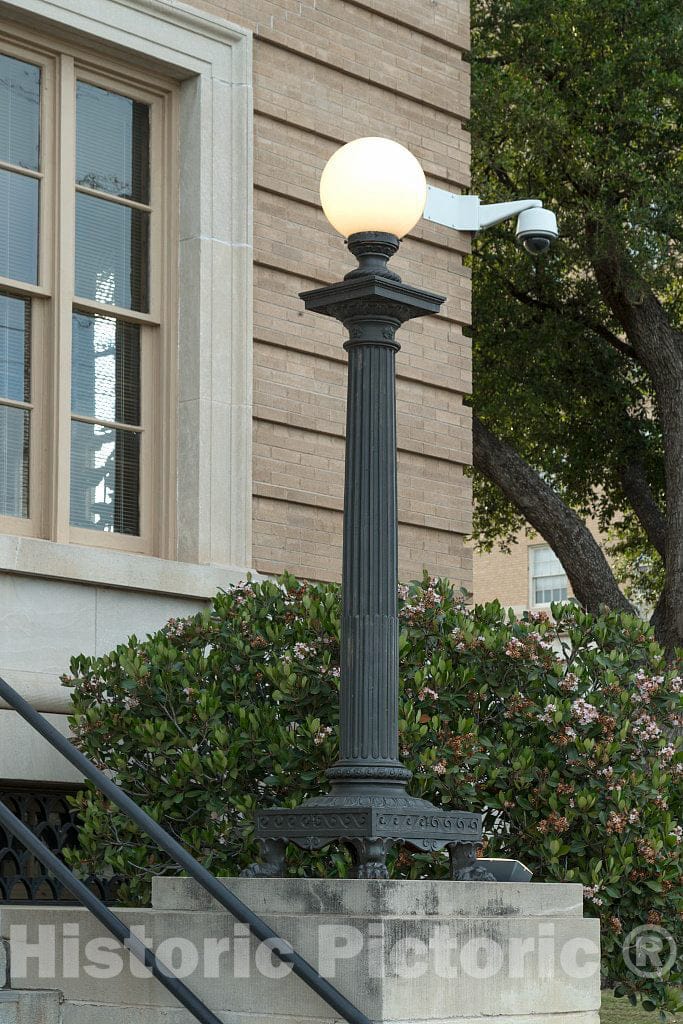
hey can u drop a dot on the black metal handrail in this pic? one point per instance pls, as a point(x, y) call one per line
point(257, 926)
point(107, 918)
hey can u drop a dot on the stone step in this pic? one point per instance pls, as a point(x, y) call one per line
point(29, 1007)
point(97, 1013)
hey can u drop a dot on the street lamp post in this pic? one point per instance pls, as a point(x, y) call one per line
point(372, 191)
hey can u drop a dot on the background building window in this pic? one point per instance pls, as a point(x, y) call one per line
point(86, 205)
point(548, 578)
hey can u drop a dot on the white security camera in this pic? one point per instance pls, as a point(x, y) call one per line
point(537, 230)
point(536, 227)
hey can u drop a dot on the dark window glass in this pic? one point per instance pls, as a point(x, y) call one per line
point(19, 113)
point(15, 348)
point(105, 478)
point(14, 455)
point(18, 227)
point(112, 244)
point(112, 143)
point(105, 369)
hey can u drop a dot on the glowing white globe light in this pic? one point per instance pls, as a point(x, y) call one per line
point(373, 184)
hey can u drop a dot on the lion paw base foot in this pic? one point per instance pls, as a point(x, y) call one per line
point(464, 867)
point(273, 866)
point(371, 871)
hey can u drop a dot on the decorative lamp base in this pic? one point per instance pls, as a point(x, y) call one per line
point(369, 825)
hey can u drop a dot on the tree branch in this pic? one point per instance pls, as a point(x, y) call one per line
point(653, 340)
point(637, 489)
point(593, 325)
point(584, 561)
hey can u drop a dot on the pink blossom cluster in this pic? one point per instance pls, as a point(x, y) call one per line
point(545, 645)
point(570, 683)
point(548, 714)
point(538, 617)
point(646, 687)
point(322, 734)
point(457, 636)
point(646, 728)
point(427, 691)
point(429, 599)
point(440, 768)
point(667, 754)
point(584, 712)
point(242, 592)
point(175, 628)
point(677, 833)
point(590, 892)
point(608, 775)
point(514, 648)
point(568, 732)
point(301, 651)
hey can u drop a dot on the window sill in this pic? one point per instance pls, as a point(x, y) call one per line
point(96, 566)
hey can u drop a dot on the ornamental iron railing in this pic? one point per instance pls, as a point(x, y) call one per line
point(50, 816)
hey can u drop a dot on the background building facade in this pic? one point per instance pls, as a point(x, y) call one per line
point(527, 578)
point(172, 417)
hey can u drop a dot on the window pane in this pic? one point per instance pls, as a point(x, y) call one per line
point(111, 253)
point(112, 143)
point(105, 368)
point(18, 227)
point(15, 348)
point(14, 450)
point(550, 588)
point(546, 562)
point(19, 113)
point(105, 476)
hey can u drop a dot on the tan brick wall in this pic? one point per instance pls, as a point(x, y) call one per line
point(503, 576)
point(324, 74)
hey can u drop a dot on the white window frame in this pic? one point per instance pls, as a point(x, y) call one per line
point(209, 529)
point(53, 300)
point(532, 589)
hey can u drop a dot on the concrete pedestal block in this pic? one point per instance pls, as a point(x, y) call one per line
point(29, 1008)
point(4, 964)
point(431, 952)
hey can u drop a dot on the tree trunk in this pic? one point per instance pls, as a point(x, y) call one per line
point(670, 402)
point(584, 562)
point(660, 349)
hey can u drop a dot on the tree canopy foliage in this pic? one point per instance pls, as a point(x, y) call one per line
point(579, 353)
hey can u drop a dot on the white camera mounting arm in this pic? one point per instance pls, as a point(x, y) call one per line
point(536, 226)
point(468, 213)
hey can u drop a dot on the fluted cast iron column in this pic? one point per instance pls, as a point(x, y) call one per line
point(369, 629)
point(368, 807)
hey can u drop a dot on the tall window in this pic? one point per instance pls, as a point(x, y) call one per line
point(548, 578)
point(85, 220)
point(20, 174)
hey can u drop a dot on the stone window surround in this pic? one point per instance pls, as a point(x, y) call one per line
point(211, 59)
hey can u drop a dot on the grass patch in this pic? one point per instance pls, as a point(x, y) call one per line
point(620, 1011)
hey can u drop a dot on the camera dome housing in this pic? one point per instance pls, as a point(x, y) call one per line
point(537, 230)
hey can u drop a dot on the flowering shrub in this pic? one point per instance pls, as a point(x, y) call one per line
point(562, 730)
